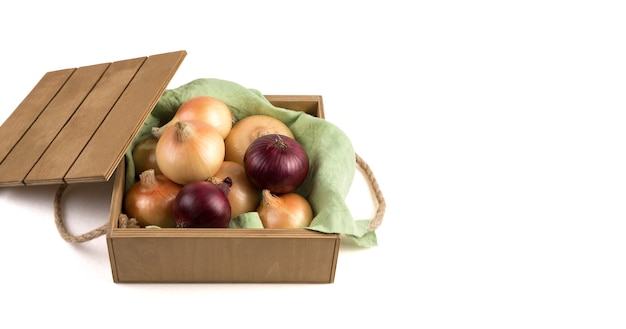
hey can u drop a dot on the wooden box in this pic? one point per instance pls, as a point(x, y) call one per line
point(90, 115)
point(222, 255)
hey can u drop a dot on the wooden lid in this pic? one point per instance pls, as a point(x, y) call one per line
point(76, 124)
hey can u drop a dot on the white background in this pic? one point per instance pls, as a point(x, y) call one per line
point(494, 128)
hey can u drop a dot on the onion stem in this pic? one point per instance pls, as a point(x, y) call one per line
point(280, 143)
point(148, 178)
point(183, 133)
point(270, 199)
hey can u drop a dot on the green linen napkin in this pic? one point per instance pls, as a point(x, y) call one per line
point(331, 154)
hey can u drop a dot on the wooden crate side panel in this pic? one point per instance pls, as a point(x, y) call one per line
point(30, 108)
point(117, 200)
point(35, 141)
point(225, 260)
point(70, 142)
point(105, 150)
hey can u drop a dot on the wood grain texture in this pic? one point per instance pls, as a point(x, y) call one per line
point(106, 148)
point(49, 123)
point(76, 124)
point(70, 142)
point(232, 257)
point(29, 109)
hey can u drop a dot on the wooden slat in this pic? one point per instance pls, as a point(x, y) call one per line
point(79, 122)
point(27, 112)
point(106, 149)
point(66, 148)
point(31, 146)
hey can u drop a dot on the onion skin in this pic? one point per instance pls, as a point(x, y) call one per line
point(284, 211)
point(276, 162)
point(248, 129)
point(190, 151)
point(150, 200)
point(202, 204)
point(144, 156)
point(243, 196)
point(204, 108)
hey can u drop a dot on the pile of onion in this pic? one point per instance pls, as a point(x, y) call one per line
point(202, 170)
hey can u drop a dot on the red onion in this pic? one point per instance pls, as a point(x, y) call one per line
point(277, 163)
point(203, 204)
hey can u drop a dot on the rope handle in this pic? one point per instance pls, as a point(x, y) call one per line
point(378, 194)
point(58, 220)
point(67, 236)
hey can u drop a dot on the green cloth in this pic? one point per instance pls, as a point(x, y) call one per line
point(331, 154)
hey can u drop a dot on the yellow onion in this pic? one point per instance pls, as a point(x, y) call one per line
point(204, 108)
point(243, 196)
point(150, 200)
point(289, 210)
point(144, 156)
point(248, 129)
point(190, 151)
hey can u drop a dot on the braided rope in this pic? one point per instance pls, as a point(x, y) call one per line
point(382, 205)
point(58, 220)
